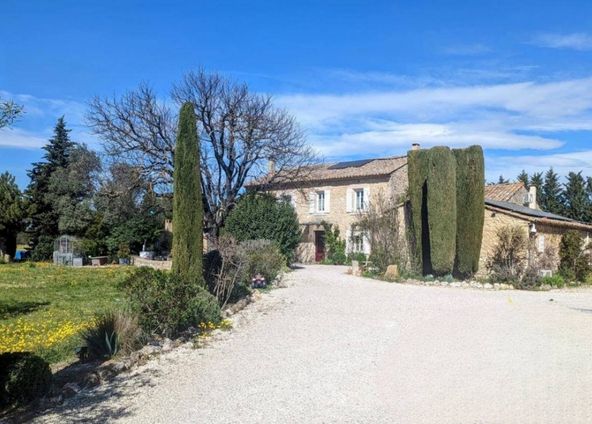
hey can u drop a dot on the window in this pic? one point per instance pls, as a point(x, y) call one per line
point(358, 243)
point(320, 201)
point(359, 199)
point(288, 198)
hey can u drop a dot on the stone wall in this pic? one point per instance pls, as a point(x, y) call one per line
point(337, 213)
point(162, 265)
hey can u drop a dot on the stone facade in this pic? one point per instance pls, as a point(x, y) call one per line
point(340, 206)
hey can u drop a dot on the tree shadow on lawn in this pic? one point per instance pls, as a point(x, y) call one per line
point(13, 308)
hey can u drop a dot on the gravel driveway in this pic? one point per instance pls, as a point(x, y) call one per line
point(333, 348)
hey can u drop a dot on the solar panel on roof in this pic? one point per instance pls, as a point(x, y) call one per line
point(350, 164)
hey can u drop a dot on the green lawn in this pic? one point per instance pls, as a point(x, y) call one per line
point(43, 307)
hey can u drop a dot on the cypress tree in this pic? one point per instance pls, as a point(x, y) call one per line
point(575, 199)
point(417, 161)
point(470, 208)
point(523, 178)
point(441, 207)
point(551, 193)
point(187, 201)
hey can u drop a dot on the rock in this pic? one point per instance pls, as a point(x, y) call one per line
point(356, 268)
point(496, 286)
point(487, 286)
point(464, 285)
point(455, 284)
point(149, 350)
point(167, 345)
point(444, 283)
point(70, 390)
point(92, 380)
point(392, 272)
point(256, 295)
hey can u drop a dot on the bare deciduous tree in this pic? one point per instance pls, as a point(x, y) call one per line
point(240, 132)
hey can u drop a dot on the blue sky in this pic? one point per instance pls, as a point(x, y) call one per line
point(364, 78)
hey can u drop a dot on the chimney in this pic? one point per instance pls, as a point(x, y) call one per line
point(271, 167)
point(415, 146)
point(532, 197)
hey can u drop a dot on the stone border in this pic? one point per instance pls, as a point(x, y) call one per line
point(460, 284)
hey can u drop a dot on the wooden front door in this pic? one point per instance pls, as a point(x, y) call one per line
point(319, 246)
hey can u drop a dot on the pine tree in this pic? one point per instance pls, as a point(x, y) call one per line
point(187, 201)
point(44, 217)
point(537, 181)
point(575, 199)
point(550, 197)
point(523, 178)
point(502, 180)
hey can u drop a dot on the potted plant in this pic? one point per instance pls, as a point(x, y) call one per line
point(124, 254)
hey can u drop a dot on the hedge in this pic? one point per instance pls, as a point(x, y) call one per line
point(470, 209)
point(441, 208)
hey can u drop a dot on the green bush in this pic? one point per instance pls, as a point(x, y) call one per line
point(24, 377)
point(43, 249)
point(113, 333)
point(262, 256)
point(335, 254)
point(166, 303)
point(187, 201)
point(441, 205)
point(262, 216)
point(554, 281)
point(574, 262)
point(470, 209)
point(357, 256)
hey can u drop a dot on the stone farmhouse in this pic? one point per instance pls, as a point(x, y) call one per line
point(337, 193)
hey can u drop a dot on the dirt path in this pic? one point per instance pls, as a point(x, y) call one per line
point(333, 348)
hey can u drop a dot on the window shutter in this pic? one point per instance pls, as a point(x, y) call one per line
point(312, 197)
point(327, 200)
point(348, 200)
point(366, 198)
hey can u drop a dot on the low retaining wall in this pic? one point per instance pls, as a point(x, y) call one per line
point(166, 265)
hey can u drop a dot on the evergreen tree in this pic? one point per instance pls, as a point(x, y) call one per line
point(537, 181)
point(523, 178)
point(550, 197)
point(502, 180)
point(575, 198)
point(11, 212)
point(187, 201)
point(43, 214)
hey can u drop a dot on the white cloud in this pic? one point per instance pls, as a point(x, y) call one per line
point(511, 116)
point(20, 139)
point(574, 41)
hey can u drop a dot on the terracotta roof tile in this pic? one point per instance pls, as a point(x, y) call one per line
point(503, 192)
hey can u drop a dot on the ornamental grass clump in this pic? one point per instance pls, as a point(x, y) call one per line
point(113, 333)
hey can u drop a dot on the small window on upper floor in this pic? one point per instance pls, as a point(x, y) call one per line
point(320, 201)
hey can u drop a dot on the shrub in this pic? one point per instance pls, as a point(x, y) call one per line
point(574, 262)
point(187, 201)
point(114, 332)
point(357, 256)
point(554, 281)
point(262, 216)
point(24, 377)
point(507, 264)
point(335, 245)
point(227, 270)
point(441, 204)
point(166, 303)
point(470, 205)
point(43, 249)
point(262, 256)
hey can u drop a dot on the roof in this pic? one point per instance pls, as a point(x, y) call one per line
point(340, 171)
point(535, 215)
point(503, 192)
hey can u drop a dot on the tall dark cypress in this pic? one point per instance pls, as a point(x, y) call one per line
point(187, 200)
point(441, 207)
point(470, 209)
point(417, 161)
